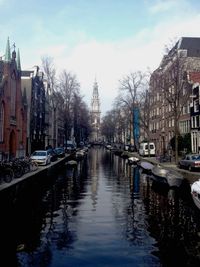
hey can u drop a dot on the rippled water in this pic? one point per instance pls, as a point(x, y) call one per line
point(105, 213)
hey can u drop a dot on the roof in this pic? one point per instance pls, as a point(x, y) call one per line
point(191, 44)
point(26, 73)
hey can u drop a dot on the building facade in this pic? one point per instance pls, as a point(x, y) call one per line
point(170, 88)
point(195, 111)
point(33, 86)
point(13, 106)
point(95, 115)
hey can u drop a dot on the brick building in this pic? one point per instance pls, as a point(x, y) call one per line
point(168, 82)
point(12, 106)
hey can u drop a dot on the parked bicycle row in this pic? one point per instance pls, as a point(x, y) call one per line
point(15, 168)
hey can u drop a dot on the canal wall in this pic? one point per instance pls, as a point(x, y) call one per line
point(43, 171)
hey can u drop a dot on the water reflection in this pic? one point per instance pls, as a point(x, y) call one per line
point(102, 212)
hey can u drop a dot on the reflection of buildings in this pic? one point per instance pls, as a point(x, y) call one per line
point(95, 114)
point(94, 163)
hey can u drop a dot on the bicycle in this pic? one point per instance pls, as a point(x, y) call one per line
point(17, 168)
point(6, 172)
point(27, 164)
point(33, 165)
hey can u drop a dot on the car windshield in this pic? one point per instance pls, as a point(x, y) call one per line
point(39, 153)
point(59, 150)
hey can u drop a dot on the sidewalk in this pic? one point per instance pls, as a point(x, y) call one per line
point(153, 160)
point(190, 175)
point(31, 174)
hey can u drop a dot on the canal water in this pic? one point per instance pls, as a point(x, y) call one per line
point(103, 213)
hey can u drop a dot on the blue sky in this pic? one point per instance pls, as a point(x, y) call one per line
point(106, 39)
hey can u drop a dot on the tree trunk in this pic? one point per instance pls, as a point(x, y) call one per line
point(176, 140)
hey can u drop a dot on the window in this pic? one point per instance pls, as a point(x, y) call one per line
point(1, 122)
point(196, 105)
point(13, 95)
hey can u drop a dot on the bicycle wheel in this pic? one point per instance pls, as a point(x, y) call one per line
point(8, 175)
point(26, 167)
point(18, 171)
point(33, 166)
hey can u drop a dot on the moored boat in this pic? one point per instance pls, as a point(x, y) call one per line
point(133, 160)
point(174, 178)
point(146, 166)
point(159, 174)
point(167, 176)
point(195, 192)
point(80, 154)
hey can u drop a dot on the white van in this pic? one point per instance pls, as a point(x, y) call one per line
point(144, 151)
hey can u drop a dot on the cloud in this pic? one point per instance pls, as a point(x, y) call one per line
point(109, 61)
point(163, 6)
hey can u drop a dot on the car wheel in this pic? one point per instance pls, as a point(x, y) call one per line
point(190, 168)
point(180, 166)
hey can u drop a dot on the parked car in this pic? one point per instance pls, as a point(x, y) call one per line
point(53, 154)
point(70, 148)
point(147, 148)
point(42, 157)
point(60, 151)
point(190, 162)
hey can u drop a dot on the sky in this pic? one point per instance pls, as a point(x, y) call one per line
point(97, 39)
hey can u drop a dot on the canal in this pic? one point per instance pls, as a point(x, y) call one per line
point(103, 213)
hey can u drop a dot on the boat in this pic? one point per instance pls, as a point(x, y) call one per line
point(116, 151)
point(146, 166)
point(174, 178)
point(125, 154)
point(167, 176)
point(195, 192)
point(133, 160)
point(80, 154)
point(159, 174)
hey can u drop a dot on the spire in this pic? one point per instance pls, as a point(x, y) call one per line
point(7, 54)
point(95, 90)
point(95, 103)
point(18, 60)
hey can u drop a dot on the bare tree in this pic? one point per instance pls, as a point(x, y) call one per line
point(130, 88)
point(51, 98)
point(108, 126)
point(50, 71)
point(68, 88)
point(144, 104)
point(124, 120)
point(82, 127)
point(176, 89)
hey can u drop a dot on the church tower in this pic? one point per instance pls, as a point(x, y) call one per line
point(95, 114)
